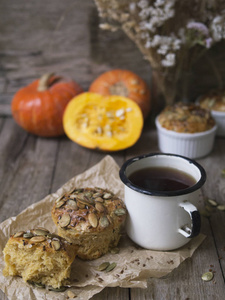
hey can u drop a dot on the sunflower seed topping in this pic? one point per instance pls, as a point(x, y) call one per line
point(56, 245)
point(107, 196)
point(64, 221)
point(28, 235)
point(18, 234)
point(120, 212)
point(72, 204)
point(81, 205)
point(99, 199)
point(58, 199)
point(40, 232)
point(99, 207)
point(42, 228)
point(38, 239)
point(93, 220)
point(96, 195)
point(59, 204)
point(104, 222)
point(115, 250)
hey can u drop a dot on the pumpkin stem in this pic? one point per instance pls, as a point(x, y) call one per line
point(44, 82)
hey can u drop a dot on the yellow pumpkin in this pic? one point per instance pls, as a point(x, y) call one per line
point(108, 123)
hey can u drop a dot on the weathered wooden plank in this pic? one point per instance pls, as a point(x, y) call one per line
point(40, 36)
point(177, 285)
point(215, 189)
point(73, 159)
point(112, 294)
point(5, 110)
point(27, 166)
point(185, 282)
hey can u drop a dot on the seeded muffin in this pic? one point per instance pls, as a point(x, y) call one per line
point(39, 257)
point(90, 218)
point(214, 100)
point(186, 118)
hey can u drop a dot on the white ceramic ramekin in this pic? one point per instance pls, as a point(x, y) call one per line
point(192, 145)
point(219, 117)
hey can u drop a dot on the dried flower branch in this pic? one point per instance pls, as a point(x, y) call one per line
point(171, 34)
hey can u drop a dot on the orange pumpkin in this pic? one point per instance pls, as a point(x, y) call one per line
point(108, 123)
point(124, 83)
point(38, 108)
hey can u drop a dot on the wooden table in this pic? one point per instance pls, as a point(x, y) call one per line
point(63, 37)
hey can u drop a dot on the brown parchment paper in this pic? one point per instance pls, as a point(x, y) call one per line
point(134, 264)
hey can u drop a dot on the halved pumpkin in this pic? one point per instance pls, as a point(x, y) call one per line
point(108, 123)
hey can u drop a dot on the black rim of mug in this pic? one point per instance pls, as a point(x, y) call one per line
point(136, 188)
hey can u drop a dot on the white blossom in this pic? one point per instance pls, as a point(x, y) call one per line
point(132, 7)
point(156, 26)
point(159, 2)
point(198, 26)
point(169, 60)
point(217, 28)
point(163, 49)
point(143, 4)
point(156, 40)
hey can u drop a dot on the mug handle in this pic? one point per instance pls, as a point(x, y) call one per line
point(195, 220)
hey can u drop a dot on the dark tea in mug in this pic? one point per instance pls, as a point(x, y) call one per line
point(161, 179)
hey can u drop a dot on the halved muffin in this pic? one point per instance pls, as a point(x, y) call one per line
point(39, 257)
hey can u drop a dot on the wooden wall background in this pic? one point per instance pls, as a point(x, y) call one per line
point(64, 37)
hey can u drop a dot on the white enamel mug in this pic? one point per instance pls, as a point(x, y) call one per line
point(161, 220)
